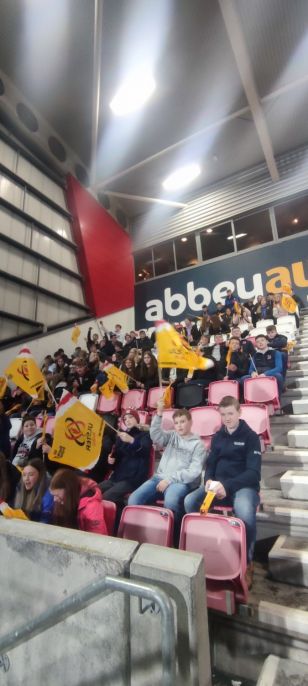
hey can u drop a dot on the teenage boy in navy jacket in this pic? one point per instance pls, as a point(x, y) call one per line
point(266, 362)
point(233, 472)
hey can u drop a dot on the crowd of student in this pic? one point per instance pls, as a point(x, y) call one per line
point(70, 498)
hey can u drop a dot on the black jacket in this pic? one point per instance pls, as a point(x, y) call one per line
point(132, 460)
point(235, 459)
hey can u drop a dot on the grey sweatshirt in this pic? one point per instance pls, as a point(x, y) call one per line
point(183, 458)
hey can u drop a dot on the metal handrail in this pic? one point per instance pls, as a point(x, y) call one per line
point(85, 597)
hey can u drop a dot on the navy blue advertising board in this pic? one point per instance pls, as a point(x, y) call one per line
point(249, 274)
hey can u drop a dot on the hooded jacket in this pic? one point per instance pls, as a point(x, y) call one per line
point(235, 459)
point(90, 513)
point(132, 460)
point(183, 457)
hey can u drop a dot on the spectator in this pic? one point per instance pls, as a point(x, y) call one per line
point(92, 339)
point(5, 427)
point(247, 346)
point(128, 367)
point(128, 344)
point(9, 478)
point(230, 299)
point(190, 331)
point(263, 310)
point(147, 373)
point(278, 309)
point(32, 494)
point(129, 460)
point(82, 379)
point(278, 342)
point(180, 467)
point(237, 360)
point(266, 362)
point(233, 472)
point(226, 320)
point(119, 334)
point(219, 351)
point(77, 502)
point(29, 444)
point(144, 341)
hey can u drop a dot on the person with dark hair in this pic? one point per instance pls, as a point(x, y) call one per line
point(265, 362)
point(29, 444)
point(5, 427)
point(143, 342)
point(9, 478)
point(237, 360)
point(180, 467)
point(128, 367)
point(32, 493)
point(77, 502)
point(218, 352)
point(82, 378)
point(247, 346)
point(233, 472)
point(92, 339)
point(129, 460)
point(147, 372)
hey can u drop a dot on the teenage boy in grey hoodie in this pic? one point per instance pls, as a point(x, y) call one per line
point(180, 467)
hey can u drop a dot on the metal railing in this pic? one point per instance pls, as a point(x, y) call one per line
point(88, 595)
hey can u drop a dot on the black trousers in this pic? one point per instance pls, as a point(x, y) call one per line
point(115, 491)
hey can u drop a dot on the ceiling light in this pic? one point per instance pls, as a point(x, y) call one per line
point(133, 93)
point(184, 239)
point(295, 220)
point(209, 230)
point(237, 235)
point(182, 177)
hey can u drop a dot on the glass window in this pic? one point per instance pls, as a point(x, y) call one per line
point(292, 217)
point(253, 230)
point(143, 265)
point(163, 258)
point(216, 241)
point(186, 251)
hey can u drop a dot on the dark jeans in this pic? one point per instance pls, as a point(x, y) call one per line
point(115, 491)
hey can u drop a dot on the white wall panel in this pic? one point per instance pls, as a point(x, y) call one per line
point(8, 328)
point(15, 228)
point(43, 183)
point(8, 156)
point(17, 263)
point(44, 214)
point(27, 304)
point(11, 192)
point(54, 280)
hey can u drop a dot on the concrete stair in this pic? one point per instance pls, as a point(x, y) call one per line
point(277, 671)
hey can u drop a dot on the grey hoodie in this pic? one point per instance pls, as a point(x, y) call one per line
point(183, 458)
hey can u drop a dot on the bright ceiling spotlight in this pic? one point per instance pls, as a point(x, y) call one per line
point(133, 93)
point(295, 220)
point(237, 235)
point(209, 230)
point(182, 177)
point(184, 239)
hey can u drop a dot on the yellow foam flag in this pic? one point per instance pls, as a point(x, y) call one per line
point(26, 374)
point(10, 513)
point(75, 334)
point(174, 352)
point(207, 502)
point(288, 303)
point(78, 434)
point(118, 377)
point(3, 386)
point(107, 389)
point(167, 397)
point(237, 307)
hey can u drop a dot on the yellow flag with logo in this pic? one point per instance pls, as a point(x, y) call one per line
point(78, 434)
point(75, 334)
point(288, 303)
point(118, 377)
point(3, 386)
point(25, 373)
point(174, 352)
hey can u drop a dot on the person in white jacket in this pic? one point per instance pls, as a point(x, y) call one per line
point(180, 467)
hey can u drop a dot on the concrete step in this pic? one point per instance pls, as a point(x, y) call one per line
point(299, 365)
point(301, 392)
point(294, 485)
point(277, 671)
point(286, 619)
point(301, 382)
point(276, 463)
point(298, 357)
point(284, 419)
point(298, 438)
point(295, 373)
point(288, 560)
point(277, 521)
point(301, 405)
point(272, 499)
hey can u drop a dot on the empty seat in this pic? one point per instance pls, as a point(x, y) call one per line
point(264, 390)
point(133, 399)
point(110, 511)
point(109, 404)
point(264, 323)
point(287, 320)
point(218, 390)
point(190, 395)
point(154, 395)
point(222, 542)
point(90, 400)
point(205, 422)
point(257, 417)
point(15, 427)
point(147, 524)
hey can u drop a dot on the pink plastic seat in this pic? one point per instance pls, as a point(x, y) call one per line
point(154, 394)
point(135, 398)
point(218, 390)
point(167, 421)
point(205, 422)
point(109, 404)
point(50, 424)
point(147, 524)
point(257, 417)
point(110, 511)
point(222, 542)
point(264, 390)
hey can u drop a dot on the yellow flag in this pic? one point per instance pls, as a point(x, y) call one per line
point(167, 397)
point(118, 377)
point(288, 303)
point(75, 334)
point(3, 386)
point(26, 374)
point(173, 352)
point(78, 434)
point(207, 502)
point(10, 513)
point(107, 389)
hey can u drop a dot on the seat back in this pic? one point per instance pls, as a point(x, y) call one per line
point(109, 404)
point(264, 323)
point(190, 395)
point(147, 524)
point(264, 390)
point(222, 542)
point(218, 390)
point(110, 511)
point(287, 320)
point(257, 417)
point(15, 427)
point(167, 421)
point(135, 398)
point(90, 400)
point(205, 422)
point(50, 425)
point(154, 395)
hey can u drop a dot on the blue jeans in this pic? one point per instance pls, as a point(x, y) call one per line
point(244, 503)
point(173, 496)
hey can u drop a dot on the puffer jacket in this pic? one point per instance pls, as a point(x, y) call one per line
point(90, 514)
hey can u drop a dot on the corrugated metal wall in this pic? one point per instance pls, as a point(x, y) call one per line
point(233, 196)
